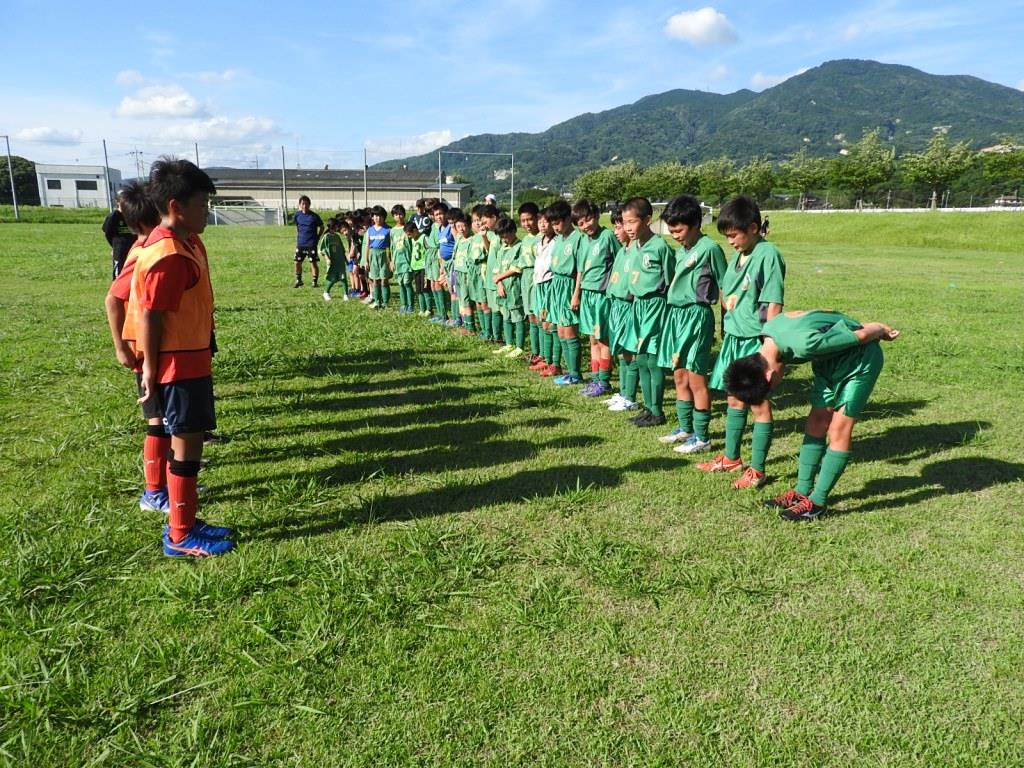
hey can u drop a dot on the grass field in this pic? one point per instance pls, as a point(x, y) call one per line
point(444, 560)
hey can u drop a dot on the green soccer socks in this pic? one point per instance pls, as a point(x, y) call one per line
point(701, 422)
point(832, 467)
point(684, 412)
point(811, 451)
point(735, 423)
point(760, 443)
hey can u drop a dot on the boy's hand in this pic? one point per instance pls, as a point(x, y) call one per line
point(574, 305)
point(501, 289)
point(147, 387)
point(887, 333)
point(126, 355)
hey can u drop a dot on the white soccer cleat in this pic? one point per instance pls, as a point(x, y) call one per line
point(622, 405)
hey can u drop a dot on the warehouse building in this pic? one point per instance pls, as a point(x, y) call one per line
point(77, 186)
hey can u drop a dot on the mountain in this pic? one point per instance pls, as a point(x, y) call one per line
point(822, 108)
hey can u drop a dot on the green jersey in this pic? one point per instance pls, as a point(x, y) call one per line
point(618, 278)
point(567, 253)
point(529, 252)
point(509, 257)
point(652, 267)
point(331, 246)
point(401, 251)
point(477, 249)
point(819, 334)
point(461, 256)
point(749, 285)
point(493, 263)
point(430, 245)
point(417, 258)
point(598, 256)
point(699, 272)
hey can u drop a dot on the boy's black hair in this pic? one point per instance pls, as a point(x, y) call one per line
point(489, 211)
point(616, 216)
point(333, 223)
point(585, 209)
point(505, 226)
point(745, 379)
point(456, 214)
point(421, 203)
point(439, 206)
point(306, 198)
point(181, 180)
point(530, 208)
point(345, 224)
point(739, 213)
point(476, 209)
point(410, 227)
point(397, 209)
point(641, 206)
point(378, 210)
point(558, 211)
point(138, 209)
point(684, 209)
point(430, 202)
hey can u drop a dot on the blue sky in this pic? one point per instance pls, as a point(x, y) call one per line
point(404, 78)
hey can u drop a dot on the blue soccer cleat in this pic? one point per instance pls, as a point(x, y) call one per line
point(194, 545)
point(155, 501)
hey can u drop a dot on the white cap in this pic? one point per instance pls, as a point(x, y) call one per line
point(490, 198)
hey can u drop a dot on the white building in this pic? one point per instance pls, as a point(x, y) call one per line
point(77, 186)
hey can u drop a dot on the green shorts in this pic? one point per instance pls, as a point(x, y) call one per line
point(380, 269)
point(541, 295)
point(687, 335)
point(475, 281)
point(404, 278)
point(560, 309)
point(594, 309)
point(528, 291)
point(462, 281)
point(336, 270)
point(620, 313)
point(846, 381)
point(733, 348)
point(432, 267)
point(644, 326)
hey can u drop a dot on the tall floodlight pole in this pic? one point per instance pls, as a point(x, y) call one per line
point(512, 193)
point(197, 154)
point(366, 193)
point(106, 173)
point(439, 195)
point(284, 191)
point(10, 172)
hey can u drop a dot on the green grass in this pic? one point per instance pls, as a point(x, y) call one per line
point(444, 560)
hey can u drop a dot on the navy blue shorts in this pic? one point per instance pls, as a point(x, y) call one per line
point(188, 406)
point(150, 409)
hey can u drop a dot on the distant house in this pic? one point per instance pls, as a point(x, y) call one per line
point(77, 186)
point(331, 189)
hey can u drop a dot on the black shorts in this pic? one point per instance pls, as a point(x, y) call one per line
point(301, 254)
point(188, 406)
point(150, 409)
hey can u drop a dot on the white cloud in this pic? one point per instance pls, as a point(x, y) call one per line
point(407, 145)
point(760, 80)
point(706, 26)
point(161, 101)
point(129, 77)
point(718, 74)
point(1020, 85)
point(226, 76)
point(47, 135)
point(853, 31)
point(220, 129)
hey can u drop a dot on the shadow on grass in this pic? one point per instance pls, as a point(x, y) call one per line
point(940, 478)
point(901, 445)
point(561, 485)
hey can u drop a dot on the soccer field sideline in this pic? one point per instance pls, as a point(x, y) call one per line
point(444, 560)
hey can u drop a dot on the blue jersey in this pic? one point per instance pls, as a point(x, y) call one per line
point(446, 241)
point(306, 226)
point(380, 238)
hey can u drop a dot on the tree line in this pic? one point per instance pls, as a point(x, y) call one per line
point(866, 173)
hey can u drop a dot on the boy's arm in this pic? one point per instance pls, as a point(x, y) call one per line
point(109, 228)
point(875, 332)
point(151, 326)
point(115, 320)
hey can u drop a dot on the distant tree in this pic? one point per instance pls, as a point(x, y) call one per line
point(938, 166)
point(1007, 165)
point(663, 181)
point(804, 173)
point(542, 197)
point(756, 179)
point(717, 179)
point(25, 183)
point(606, 184)
point(867, 163)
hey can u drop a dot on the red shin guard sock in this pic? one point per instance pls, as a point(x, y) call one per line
point(184, 499)
point(154, 456)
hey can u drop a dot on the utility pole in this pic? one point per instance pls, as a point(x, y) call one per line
point(10, 173)
point(197, 154)
point(366, 193)
point(284, 191)
point(106, 173)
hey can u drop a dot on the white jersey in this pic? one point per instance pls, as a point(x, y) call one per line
point(542, 264)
